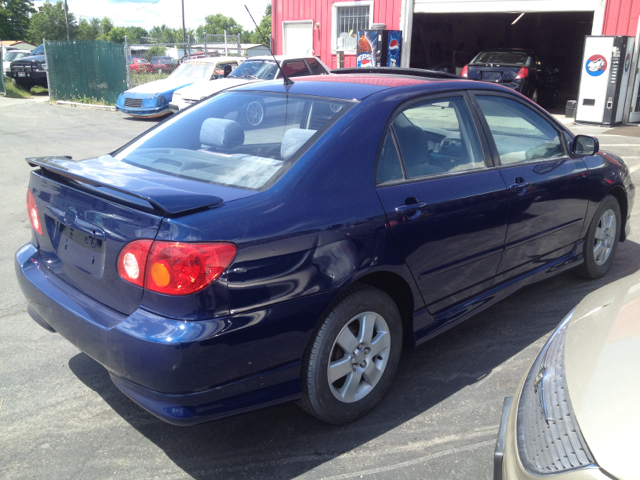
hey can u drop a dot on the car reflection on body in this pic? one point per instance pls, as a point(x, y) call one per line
point(575, 413)
point(152, 99)
point(214, 268)
point(254, 69)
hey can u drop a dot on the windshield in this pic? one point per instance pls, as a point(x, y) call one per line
point(38, 50)
point(237, 139)
point(14, 56)
point(192, 71)
point(507, 58)
point(262, 69)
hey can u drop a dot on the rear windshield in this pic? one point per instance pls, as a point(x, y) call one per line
point(237, 139)
point(506, 58)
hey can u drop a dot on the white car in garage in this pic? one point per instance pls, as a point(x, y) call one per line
point(253, 69)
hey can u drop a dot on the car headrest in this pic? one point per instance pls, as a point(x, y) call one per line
point(219, 132)
point(293, 139)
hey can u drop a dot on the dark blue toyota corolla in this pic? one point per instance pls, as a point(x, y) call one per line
point(214, 267)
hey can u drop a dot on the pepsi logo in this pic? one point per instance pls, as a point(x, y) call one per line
point(394, 44)
point(627, 63)
point(366, 62)
point(596, 65)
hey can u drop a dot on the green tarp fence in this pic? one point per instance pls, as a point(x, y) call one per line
point(86, 70)
point(3, 90)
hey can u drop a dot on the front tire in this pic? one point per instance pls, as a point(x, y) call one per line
point(352, 356)
point(601, 243)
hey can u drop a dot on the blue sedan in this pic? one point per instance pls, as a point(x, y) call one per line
point(214, 267)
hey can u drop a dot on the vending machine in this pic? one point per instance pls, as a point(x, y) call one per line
point(606, 68)
point(379, 48)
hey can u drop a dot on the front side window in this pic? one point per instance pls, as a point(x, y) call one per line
point(237, 139)
point(437, 137)
point(520, 134)
point(260, 69)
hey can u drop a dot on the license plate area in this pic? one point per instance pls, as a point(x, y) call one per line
point(76, 248)
point(491, 76)
point(21, 74)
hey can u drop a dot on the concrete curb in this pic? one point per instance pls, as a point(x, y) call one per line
point(107, 108)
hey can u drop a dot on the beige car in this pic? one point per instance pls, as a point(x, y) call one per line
point(576, 413)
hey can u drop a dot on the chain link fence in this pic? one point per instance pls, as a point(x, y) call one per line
point(91, 71)
point(152, 61)
point(3, 90)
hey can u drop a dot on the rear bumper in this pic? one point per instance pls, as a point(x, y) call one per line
point(183, 372)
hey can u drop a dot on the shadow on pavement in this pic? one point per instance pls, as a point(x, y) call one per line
point(284, 442)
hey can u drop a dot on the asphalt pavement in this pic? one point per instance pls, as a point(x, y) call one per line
point(61, 417)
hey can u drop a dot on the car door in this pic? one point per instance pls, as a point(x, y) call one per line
point(446, 206)
point(549, 189)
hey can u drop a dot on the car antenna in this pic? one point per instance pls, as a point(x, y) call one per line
point(287, 80)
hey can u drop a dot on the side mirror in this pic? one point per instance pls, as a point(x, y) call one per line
point(584, 145)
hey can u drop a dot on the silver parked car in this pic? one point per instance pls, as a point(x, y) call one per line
point(576, 413)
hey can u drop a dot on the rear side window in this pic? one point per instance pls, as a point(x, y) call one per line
point(237, 139)
point(438, 137)
point(389, 167)
point(296, 68)
point(520, 134)
point(315, 67)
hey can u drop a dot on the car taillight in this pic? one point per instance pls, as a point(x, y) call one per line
point(32, 210)
point(522, 73)
point(464, 72)
point(132, 261)
point(174, 268)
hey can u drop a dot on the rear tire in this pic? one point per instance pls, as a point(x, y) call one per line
point(601, 242)
point(352, 356)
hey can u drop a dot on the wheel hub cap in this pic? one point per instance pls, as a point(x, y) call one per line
point(358, 357)
point(604, 238)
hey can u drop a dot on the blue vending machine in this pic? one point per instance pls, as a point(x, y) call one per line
point(379, 48)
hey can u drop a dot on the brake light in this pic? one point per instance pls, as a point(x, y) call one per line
point(32, 210)
point(464, 72)
point(174, 268)
point(522, 73)
point(132, 261)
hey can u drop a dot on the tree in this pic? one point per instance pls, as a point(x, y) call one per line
point(135, 34)
point(116, 35)
point(14, 18)
point(49, 23)
point(265, 28)
point(105, 27)
point(164, 34)
point(88, 29)
point(218, 23)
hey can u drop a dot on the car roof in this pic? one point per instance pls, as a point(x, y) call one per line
point(283, 57)
point(353, 86)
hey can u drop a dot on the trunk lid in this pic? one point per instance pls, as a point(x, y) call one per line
point(90, 210)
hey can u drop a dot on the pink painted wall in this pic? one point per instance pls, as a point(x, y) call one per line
point(320, 11)
point(621, 17)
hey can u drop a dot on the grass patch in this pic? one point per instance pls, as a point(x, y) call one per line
point(91, 101)
point(13, 91)
point(39, 89)
point(139, 78)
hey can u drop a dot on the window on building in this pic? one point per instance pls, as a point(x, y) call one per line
point(348, 19)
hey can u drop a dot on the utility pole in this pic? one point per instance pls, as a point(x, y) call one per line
point(66, 17)
point(184, 30)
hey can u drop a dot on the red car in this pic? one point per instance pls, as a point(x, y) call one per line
point(139, 65)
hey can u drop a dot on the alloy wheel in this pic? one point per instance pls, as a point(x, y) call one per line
point(358, 357)
point(604, 238)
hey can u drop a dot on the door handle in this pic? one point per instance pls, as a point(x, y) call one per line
point(520, 186)
point(406, 210)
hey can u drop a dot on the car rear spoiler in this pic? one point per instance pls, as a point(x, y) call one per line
point(171, 201)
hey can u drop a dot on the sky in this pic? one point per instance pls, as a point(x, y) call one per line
point(147, 13)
